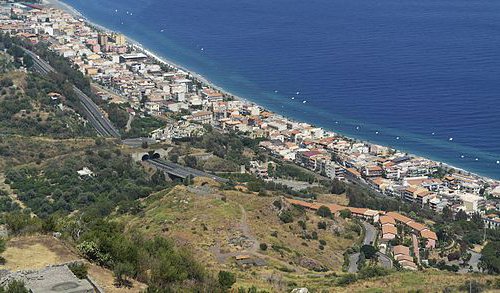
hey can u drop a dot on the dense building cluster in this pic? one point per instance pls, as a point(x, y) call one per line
point(151, 86)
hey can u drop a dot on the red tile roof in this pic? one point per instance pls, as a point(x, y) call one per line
point(389, 229)
point(398, 217)
point(387, 220)
point(428, 234)
point(417, 226)
point(400, 249)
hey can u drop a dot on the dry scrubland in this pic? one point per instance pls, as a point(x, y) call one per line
point(19, 150)
point(426, 281)
point(219, 224)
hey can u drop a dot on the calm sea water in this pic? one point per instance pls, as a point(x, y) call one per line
point(426, 71)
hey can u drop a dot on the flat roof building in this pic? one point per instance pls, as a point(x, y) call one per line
point(137, 57)
point(50, 279)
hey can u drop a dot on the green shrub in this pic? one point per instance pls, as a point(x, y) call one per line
point(372, 272)
point(369, 251)
point(324, 212)
point(226, 279)
point(347, 279)
point(79, 269)
point(286, 217)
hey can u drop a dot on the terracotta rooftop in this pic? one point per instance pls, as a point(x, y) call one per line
point(359, 211)
point(404, 257)
point(406, 264)
point(389, 229)
point(304, 204)
point(400, 249)
point(428, 234)
point(387, 220)
point(398, 217)
point(417, 226)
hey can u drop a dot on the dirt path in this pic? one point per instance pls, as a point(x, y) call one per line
point(245, 230)
point(129, 122)
point(253, 249)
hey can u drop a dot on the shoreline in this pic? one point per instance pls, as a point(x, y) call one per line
point(138, 46)
point(60, 4)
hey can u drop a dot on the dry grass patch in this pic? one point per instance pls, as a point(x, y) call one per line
point(340, 199)
point(18, 150)
point(217, 220)
point(36, 252)
point(426, 281)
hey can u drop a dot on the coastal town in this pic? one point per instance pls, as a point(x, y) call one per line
point(148, 86)
point(154, 88)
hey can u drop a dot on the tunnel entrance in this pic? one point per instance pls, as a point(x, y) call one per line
point(150, 156)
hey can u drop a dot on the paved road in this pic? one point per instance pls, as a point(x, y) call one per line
point(370, 234)
point(353, 263)
point(182, 171)
point(93, 113)
point(474, 261)
point(384, 260)
point(369, 239)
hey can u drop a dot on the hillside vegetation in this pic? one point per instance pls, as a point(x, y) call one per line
point(33, 105)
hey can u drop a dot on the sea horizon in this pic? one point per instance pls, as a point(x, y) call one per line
point(435, 145)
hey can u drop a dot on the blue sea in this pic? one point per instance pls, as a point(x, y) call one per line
point(424, 71)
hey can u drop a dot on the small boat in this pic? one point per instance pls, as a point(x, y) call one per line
point(462, 156)
point(450, 139)
point(498, 162)
point(397, 137)
point(293, 98)
point(477, 159)
point(376, 132)
point(297, 93)
point(303, 102)
point(433, 133)
point(357, 127)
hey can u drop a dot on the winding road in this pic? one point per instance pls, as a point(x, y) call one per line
point(370, 233)
point(369, 239)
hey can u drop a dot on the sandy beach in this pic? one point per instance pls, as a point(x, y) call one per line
point(138, 46)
